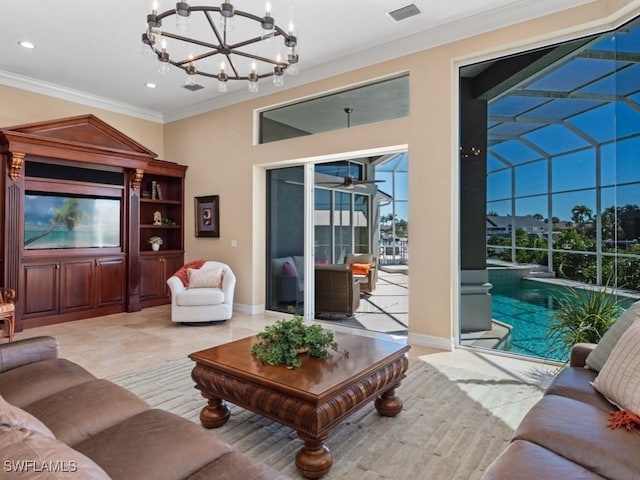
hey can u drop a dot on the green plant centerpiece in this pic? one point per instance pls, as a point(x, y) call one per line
point(285, 340)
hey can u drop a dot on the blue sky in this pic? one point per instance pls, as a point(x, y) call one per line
point(552, 130)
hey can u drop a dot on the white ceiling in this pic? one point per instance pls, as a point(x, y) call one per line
point(90, 51)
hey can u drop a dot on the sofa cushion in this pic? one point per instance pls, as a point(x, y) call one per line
point(234, 466)
point(153, 444)
point(28, 383)
point(205, 277)
point(14, 417)
point(76, 413)
point(575, 383)
point(601, 352)
point(27, 454)
point(579, 432)
point(194, 297)
point(524, 460)
point(619, 379)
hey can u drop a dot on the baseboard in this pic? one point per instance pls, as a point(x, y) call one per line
point(249, 309)
point(441, 343)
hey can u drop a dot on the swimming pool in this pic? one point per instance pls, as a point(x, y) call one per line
point(527, 306)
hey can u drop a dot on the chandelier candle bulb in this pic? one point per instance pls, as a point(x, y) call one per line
point(238, 52)
point(222, 79)
point(253, 79)
point(268, 22)
point(183, 16)
point(163, 56)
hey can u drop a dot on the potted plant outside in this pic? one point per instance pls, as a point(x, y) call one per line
point(583, 315)
point(155, 243)
point(284, 342)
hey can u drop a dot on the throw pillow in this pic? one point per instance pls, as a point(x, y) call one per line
point(183, 274)
point(14, 417)
point(205, 277)
point(322, 262)
point(619, 379)
point(288, 270)
point(598, 356)
point(360, 268)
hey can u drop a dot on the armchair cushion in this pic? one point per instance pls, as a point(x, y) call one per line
point(205, 278)
point(200, 296)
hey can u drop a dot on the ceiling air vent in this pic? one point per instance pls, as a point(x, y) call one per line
point(404, 12)
point(193, 88)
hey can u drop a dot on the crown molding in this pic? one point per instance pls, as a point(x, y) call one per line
point(76, 96)
point(454, 31)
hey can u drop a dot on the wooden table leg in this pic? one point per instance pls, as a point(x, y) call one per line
point(314, 459)
point(388, 403)
point(215, 413)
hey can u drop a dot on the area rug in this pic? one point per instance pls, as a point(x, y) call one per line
point(454, 423)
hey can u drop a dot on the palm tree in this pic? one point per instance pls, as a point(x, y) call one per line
point(68, 214)
point(582, 216)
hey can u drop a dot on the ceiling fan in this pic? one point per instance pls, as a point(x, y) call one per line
point(349, 181)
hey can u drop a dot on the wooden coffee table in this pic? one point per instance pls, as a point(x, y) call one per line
point(312, 399)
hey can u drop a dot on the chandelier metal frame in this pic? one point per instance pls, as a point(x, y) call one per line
point(154, 33)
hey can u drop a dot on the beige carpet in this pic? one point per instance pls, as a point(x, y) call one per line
point(454, 423)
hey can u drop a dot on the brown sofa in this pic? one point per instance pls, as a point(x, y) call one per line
point(566, 434)
point(58, 417)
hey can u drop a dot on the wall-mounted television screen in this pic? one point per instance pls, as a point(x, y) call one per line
point(68, 221)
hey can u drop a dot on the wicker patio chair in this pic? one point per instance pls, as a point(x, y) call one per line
point(336, 290)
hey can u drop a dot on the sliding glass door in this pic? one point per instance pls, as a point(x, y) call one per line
point(285, 239)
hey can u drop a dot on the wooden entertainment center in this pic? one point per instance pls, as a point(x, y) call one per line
point(77, 215)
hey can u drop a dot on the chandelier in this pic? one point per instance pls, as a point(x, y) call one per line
point(206, 41)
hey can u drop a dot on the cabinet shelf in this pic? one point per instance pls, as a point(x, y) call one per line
point(160, 227)
point(160, 253)
point(160, 202)
point(156, 266)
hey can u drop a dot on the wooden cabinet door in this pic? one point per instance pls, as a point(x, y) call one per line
point(39, 294)
point(110, 281)
point(151, 274)
point(172, 263)
point(76, 285)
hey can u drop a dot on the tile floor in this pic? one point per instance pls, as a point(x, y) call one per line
point(126, 342)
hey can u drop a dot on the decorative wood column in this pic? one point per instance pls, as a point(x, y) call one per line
point(13, 226)
point(134, 180)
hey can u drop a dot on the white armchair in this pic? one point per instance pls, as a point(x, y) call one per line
point(203, 304)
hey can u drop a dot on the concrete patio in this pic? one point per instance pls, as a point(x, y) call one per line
point(386, 309)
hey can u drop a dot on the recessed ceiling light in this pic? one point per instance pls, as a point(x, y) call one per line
point(26, 44)
point(150, 85)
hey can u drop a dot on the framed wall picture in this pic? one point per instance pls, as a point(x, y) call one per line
point(207, 216)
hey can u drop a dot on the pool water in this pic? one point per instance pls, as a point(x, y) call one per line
point(527, 306)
